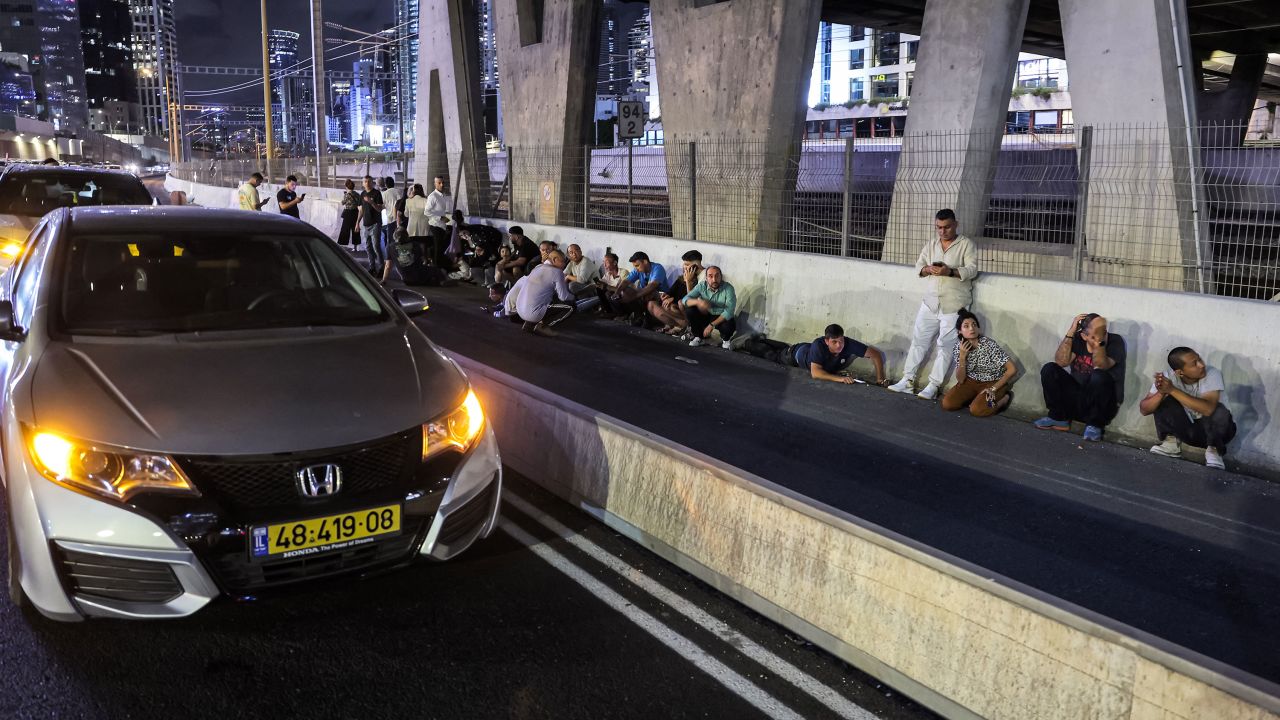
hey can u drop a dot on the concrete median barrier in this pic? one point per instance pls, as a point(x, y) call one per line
point(950, 635)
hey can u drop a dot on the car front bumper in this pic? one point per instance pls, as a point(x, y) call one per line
point(69, 541)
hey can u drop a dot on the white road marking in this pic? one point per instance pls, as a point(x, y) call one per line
point(726, 676)
point(815, 688)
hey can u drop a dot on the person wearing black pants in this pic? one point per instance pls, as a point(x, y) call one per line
point(347, 234)
point(1188, 409)
point(1092, 402)
point(1085, 381)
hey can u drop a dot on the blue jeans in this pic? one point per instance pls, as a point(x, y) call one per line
point(372, 237)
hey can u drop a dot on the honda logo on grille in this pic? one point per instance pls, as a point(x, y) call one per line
point(319, 480)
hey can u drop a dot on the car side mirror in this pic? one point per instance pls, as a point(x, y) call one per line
point(9, 329)
point(412, 303)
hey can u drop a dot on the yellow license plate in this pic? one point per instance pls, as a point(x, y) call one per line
point(324, 534)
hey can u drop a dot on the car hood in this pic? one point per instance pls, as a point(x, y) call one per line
point(300, 390)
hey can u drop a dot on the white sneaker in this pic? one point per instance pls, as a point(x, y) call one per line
point(902, 386)
point(1171, 447)
point(696, 342)
point(455, 276)
point(929, 392)
point(724, 345)
point(1213, 459)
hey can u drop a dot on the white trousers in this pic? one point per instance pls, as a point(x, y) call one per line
point(929, 326)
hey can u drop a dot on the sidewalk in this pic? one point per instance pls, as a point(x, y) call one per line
point(1170, 547)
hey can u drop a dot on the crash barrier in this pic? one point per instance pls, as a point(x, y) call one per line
point(950, 635)
point(793, 296)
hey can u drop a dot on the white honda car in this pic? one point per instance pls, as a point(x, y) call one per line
point(201, 403)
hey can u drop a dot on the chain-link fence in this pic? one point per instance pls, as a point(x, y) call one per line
point(1144, 206)
point(332, 173)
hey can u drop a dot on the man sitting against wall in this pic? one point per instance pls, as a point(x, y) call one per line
point(826, 357)
point(710, 307)
point(666, 308)
point(1085, 381)
point(1187, 406)
point(646, 280)
point(610, 280)
point(580, 273)
point(517, 265)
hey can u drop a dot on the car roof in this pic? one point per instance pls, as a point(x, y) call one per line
point(30, 169)
point(181, 218)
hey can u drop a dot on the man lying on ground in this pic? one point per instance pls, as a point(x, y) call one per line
point(826, 357)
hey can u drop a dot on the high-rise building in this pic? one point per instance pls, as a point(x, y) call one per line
point(407, 27)
point(106, 30)
point(339, 120)
point(17, 89)
point(155, 61)
point(616, 60)
point(490, 89)
point(46, 33)
point(282, 49)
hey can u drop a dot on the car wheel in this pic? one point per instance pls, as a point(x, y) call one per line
point(16, 595)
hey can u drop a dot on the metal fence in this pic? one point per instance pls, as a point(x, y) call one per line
point(1144, 206)
point(335, 170)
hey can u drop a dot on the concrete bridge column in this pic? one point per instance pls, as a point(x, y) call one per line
point(734, 77)
point(1134, 77)
point(449, 127)
point(547, 55)
point(964, 77)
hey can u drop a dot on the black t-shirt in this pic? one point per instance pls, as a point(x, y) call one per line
point(818, 352)
point(286, 195)
point(526, 250)
point(486, 239)
point(368, 200)
point(403, 223)
point(1082, 364)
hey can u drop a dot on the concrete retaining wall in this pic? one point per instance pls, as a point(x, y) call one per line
point(793, 296)
point(949, 635)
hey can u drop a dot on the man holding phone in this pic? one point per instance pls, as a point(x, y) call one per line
point(1085, 381)
point(288, 198)
point(948, 264)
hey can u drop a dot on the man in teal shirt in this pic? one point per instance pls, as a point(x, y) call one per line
point(711, 305)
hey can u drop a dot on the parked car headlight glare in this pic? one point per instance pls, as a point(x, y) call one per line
point(458, 429)
point(113, 473)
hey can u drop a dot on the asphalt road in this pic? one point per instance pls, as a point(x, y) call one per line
point(1169, 547)
point(527, 624)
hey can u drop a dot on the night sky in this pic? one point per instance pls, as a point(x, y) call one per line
point(227, 32)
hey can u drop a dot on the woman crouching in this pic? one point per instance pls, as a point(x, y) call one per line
point(983, 371)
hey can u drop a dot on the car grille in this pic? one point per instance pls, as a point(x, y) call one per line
point(237, 574)
point(465, 519)
point(269, 480)
point(112, 578)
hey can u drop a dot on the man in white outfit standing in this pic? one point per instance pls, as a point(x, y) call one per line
point(948, 264)
point(438, 211)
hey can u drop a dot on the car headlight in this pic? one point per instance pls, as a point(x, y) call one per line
point(457, 429)
point(110, 472)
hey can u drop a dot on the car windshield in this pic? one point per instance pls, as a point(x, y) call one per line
point(139, 284)
point(40, 192)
